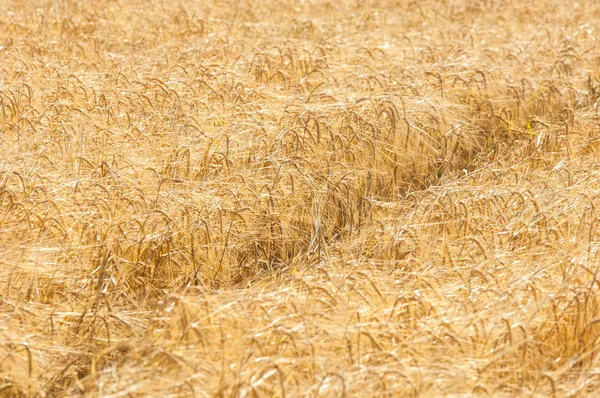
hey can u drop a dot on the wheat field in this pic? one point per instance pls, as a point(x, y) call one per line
point(299, 198)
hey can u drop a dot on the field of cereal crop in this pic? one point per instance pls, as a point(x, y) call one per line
point(299, 198)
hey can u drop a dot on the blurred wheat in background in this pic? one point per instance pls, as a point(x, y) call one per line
point(299, 198)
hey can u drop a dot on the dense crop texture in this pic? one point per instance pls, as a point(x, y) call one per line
point(299, 198)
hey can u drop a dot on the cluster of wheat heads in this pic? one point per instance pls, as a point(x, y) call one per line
point(299, 198)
